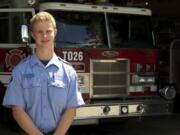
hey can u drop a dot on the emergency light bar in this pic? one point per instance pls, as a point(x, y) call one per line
point(134, 3)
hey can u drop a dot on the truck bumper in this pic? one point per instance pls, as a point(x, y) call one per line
point(90, 113)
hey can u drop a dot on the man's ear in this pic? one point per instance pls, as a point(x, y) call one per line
point(55, 31)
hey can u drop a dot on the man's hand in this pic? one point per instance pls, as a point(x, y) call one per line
point(25, 121)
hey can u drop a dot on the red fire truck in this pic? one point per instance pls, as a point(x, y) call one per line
point(111, 47)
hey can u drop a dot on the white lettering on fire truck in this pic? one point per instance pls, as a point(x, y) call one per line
point(73, 55)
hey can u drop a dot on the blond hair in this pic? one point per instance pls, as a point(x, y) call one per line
point(42, 16)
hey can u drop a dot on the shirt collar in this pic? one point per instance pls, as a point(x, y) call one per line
point(53, 61)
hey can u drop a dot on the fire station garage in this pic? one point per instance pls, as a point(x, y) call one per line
point(126, 54)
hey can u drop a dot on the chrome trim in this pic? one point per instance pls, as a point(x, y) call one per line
point(7, 45)
point(118, 88)
point(94, 8)
point(135, 108)
point(18, 10)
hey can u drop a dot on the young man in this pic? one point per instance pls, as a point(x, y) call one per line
point(43, 92)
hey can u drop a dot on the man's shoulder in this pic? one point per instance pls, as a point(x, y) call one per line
point(23, 63)
point(25, 60)
point(64, 61)
point(67, 65)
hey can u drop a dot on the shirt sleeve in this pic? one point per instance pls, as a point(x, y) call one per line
point(14, 91)
point(74, 96)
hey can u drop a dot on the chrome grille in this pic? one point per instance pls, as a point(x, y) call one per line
point(109, 77)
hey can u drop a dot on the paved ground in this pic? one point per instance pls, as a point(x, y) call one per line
point(146, 126)
point(6, 130)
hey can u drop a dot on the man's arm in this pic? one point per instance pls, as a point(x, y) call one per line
point(66, 121)
point(25, 121)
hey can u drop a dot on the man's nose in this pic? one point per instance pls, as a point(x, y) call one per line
point(44, 34)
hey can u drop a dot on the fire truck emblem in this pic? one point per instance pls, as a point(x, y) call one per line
point(110, 53)
point(13, 57)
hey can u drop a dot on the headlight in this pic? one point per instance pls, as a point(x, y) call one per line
point(83, 79)
point(140, 68)
point(136, 79)
point(148, 67)
point(146, 80)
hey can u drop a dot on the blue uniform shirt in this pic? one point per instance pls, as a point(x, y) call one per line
point(44, 91)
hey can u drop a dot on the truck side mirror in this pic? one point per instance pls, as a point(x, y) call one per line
point(24, 34)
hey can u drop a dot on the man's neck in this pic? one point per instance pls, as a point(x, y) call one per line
point(44, 54)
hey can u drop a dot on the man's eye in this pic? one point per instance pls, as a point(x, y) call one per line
point(40, 32)
point(49, 31)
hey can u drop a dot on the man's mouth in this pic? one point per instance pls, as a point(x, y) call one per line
point(45, 41)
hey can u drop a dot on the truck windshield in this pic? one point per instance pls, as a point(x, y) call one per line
point(77, 29)
point(89, 30)
point(130, 31)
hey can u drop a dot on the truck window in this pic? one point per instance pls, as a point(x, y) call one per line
point(80, 29)
point(10, 25)
point(130, 31)
point(86, 29)
point(3, 27)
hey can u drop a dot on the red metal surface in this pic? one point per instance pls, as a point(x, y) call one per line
point(135, 56)
point(11, 57)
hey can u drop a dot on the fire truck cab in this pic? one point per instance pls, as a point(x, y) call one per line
point(111, 47)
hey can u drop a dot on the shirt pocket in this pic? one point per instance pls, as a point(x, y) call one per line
point(31, 83)
point(32, 90)
point(58, 92)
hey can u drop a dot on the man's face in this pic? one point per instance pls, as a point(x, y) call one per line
point(44, 33)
